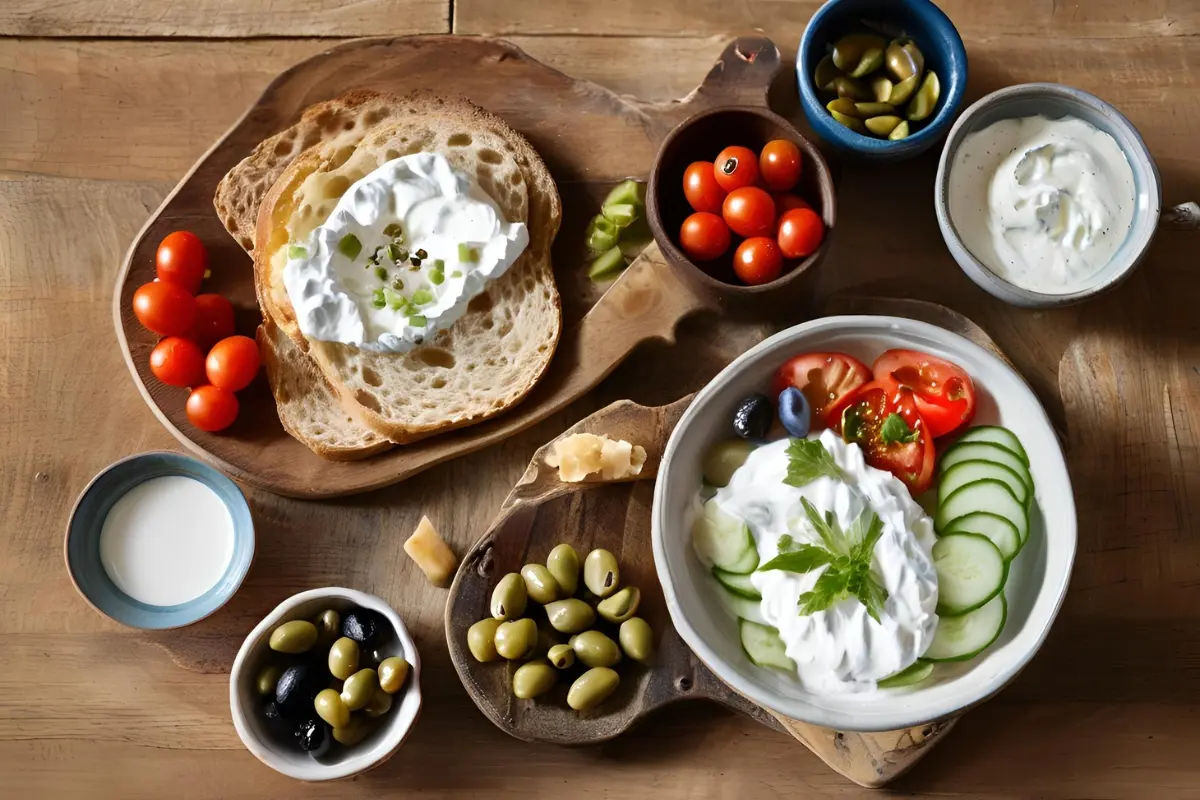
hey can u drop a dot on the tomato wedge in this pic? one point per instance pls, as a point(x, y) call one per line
point(944, 393)
point(883, 419)
point(826, 379)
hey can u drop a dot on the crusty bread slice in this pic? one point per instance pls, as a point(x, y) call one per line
point(310, 410)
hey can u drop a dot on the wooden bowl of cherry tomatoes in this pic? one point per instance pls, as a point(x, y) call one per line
point(741, 201)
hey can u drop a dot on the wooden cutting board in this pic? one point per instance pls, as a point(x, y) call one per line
point(589, 137)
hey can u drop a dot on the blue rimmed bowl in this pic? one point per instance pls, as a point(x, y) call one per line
point(87, 520)
point(919, 20)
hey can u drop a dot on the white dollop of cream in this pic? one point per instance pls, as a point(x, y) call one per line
point(440, 210)
point(1043, 203)
point(842, 649)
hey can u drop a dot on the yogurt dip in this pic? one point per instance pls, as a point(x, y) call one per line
point(1043, 203)
point(842, 649)
point(402, 254)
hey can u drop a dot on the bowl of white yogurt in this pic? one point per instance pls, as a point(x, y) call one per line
point(1046, 195)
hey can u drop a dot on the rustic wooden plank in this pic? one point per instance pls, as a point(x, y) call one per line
point(222, 18)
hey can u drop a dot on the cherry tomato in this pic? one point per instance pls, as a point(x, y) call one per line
point(704, 236)
point(701, 189)
point(780, 165)
point(214, 320)
point(826, 379)
point(902, 446)
point(182, 260)
point(786, 201)
point(177, 361)
point(211, 408)
point(944, 392)
point(165, 308)
point(736, 167)
point(749, 211)
point(232, 363)
point(758, 260)
point(801, 232)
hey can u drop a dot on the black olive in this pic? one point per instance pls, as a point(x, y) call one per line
point(753, 417)
point(364, 626)
point(314, 737)
point(297, 688)
point(276, 723)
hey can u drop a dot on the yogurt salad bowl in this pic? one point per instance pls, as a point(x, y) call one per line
point(864, 523)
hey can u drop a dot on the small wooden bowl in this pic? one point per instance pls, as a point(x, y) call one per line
point(701, 138)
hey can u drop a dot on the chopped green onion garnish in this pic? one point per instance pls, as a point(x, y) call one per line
point(467, 254)
point(436, 277)
point(296, 251)
point(439, 264)
point(350, 246)
point(394, 301)
point(398, 285)
point(396, 253)
point(378, 299)
point(381, 273)
point(422, 297)
point(417, 321)
point(421, 254)
point(456, 274)
point(393, 230)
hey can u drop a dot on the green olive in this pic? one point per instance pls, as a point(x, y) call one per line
point(563, 563)
point(267, 678)
point(592, 688)
point(871, 60)
point(331, 708)
point(343, 658)
point(723, 459)
point(571, 615)
point(481, 639)
point(868, 110)
point(540, 585)
point(904, 59)
point(297, 636)
point(882, 126)
point(853, 123)
point(825, 73)
point(561, 656)
point(516, 639)
point(532, 679)
point(353, 731)
point(637, 639)
point(329, 627)
point(903, 90)
point(509, 597)
point(851, 88)
point(601, 573)
point(379, 704)
point(881, 88)
point(621, 606)
point(851, 52)
point(843, 105)
point(899, 132)
point(595, 649)
point(926, 98)
point(360, 688)
point(393, 672)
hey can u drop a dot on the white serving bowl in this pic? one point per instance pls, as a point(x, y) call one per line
point(341, 762)
point(1038, 575)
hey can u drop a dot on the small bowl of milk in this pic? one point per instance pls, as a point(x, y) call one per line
point(1046, 195)
point(159, 540)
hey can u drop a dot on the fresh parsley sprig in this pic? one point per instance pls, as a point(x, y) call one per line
point(808, 460)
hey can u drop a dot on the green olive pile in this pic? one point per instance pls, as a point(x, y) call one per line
point(337, 686)
point(581, 613)
point(881, 86)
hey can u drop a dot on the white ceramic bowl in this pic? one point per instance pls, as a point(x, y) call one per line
point(245, 703)
point(1038, 575)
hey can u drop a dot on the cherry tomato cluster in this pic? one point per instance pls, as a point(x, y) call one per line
point(199, 349)
point(750, 195)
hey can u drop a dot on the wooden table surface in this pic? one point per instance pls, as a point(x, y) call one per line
point(106, 103)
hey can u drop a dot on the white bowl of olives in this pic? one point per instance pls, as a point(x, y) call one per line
point(326, 686)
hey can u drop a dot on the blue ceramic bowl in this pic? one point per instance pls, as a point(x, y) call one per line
point(919, 20)
point(87, 520)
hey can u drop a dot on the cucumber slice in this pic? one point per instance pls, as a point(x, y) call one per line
point(738, 584)
point(1002, 532)
point(994, 434)
point(763, 645)
point(742, 607)
point(982, 451)
point(724, 541)
point(971, 571)
point(966, 472)
point(913, 673)
point(966, 636)
point(987, 495)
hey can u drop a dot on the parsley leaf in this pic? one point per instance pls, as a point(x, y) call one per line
point(895, 430)
point(786, 543)
point(831, 588)
point(804, 558)
point(808, 460)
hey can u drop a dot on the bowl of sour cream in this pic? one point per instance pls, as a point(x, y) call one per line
point(159, 540)
point(1046, 195)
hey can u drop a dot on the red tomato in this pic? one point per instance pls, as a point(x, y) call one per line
point(786, 201)
point(211, 408)
point(182, 260)
point(177, 362)
point(736, 167)
point(233, 363)
point(214, 320)
point(701, 189)
point(944, 393)
point(749, 211)
point(758, 260)
point(902, 446)
point(801, 232)
point(165, 308)
point(826, 379)
point(704, 236)
point(780, 165)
